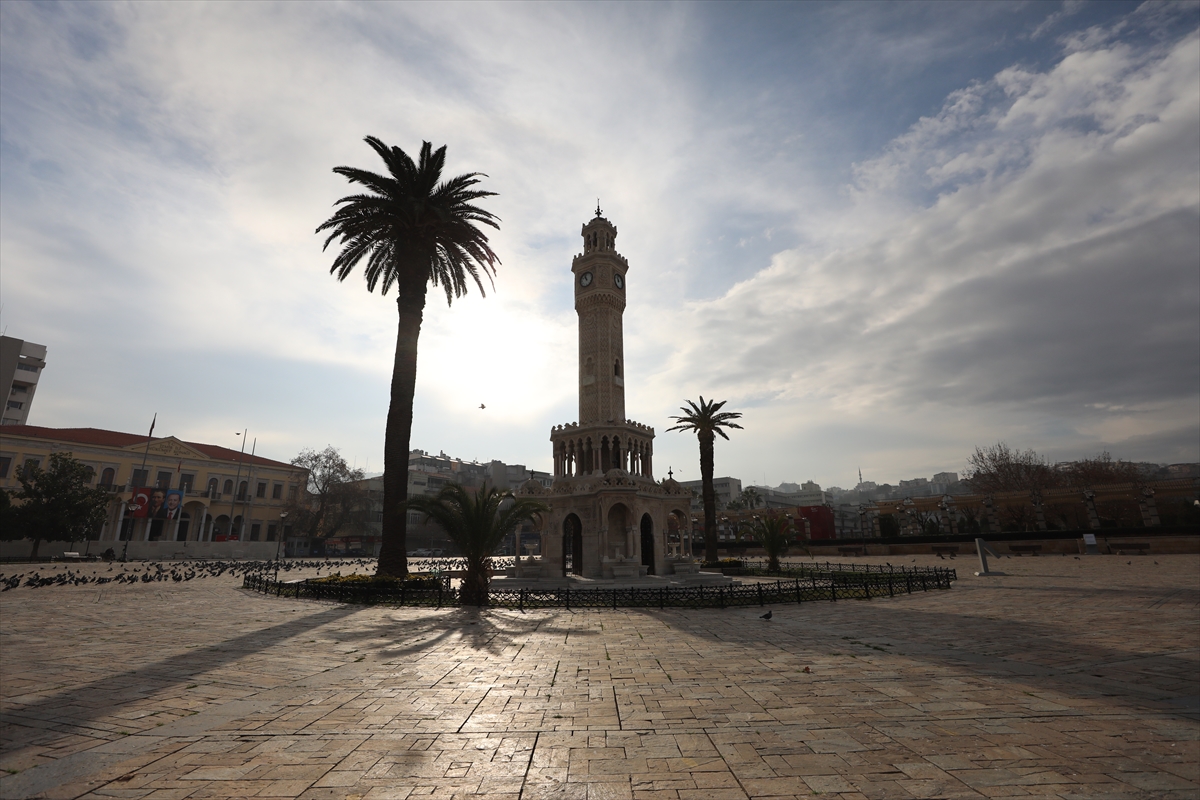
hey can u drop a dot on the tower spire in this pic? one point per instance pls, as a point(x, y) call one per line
point(597, 206)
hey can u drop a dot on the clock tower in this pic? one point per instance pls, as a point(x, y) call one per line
point(608, 517)
point(600, 303)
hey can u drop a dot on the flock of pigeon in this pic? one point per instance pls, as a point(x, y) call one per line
point(151, 571)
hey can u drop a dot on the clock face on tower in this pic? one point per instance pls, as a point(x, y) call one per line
point(585, 279)
point(620, 281)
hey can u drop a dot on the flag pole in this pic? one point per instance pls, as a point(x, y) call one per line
point(145, 455)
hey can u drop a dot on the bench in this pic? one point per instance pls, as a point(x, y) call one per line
point(852, 551)
point(944, 549)
point(1122, 548)
point(1032, 549)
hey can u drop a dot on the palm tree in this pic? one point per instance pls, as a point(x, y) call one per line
point(707, 420)
point(414, 229)
point(773, 531)
point(477, 525)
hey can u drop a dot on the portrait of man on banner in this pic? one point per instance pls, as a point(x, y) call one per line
point(139, 503)
point(173, 505)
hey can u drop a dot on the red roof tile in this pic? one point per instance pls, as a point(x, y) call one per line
point(103, 438)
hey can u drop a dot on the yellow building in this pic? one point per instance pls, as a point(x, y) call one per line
point(171, 498)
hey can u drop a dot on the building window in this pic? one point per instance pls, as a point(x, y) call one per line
point(91, 472)
point(617, 368)
point(186, 481)
point(15, 404)
point(291, 493)
point(255, 531)
point(139, 478)
point(272, 529)
point(5, 463)
point(19, 389)
point(27, 367)
point(212, 487)
point(277, 491)
point(164, 480)
point(262, 490)
point(242, 489)
point(108, 476)
point(228, 487)
point(32, 463)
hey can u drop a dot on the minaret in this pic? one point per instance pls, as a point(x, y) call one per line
point(600, 303)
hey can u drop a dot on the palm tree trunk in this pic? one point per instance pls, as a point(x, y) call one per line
point(709, 496)
point(393, 555)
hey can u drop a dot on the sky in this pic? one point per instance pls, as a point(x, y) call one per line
point(886, 233)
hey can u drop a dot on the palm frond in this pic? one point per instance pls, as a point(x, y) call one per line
point(410, 227)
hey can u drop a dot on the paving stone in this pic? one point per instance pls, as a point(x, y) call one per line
point(1064, 678)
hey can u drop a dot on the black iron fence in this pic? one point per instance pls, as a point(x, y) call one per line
point(829, 582)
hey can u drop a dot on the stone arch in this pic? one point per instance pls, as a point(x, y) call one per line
point(647, 543)
point(620, 519)
point(572, 546)
point(679, 531)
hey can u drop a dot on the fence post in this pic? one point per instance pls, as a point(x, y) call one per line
point(568, 598)
point(798, 600)
point(439, 594)
point(908, 580)
point(923, 587)
point(867, 586)
point(614, 599)
point(832, 587)
point(522, 601)
point(662, 602)
point(891, 589)
point(760, 597)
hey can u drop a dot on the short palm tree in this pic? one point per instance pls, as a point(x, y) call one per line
point(773, 532)
point(707, 420)
point(413, 229)
point(476, 525)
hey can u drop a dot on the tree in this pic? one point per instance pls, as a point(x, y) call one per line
point(773, 532)
point(55, 504)
point(707, 420)
point(414, 229)
point(999, 468)
point(751, 498)
point(333, 500)
point(477, 524)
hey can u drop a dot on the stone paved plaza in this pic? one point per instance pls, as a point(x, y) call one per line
point(1065, 678)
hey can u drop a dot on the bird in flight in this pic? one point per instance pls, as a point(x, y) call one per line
point(481, 405)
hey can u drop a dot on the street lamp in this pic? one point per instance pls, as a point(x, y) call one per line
point(278, 542)
point(133, 509)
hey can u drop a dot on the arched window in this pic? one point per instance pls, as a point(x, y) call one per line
point(241, 491)
point(212, 487)
point(108, 476)
point(228, 487)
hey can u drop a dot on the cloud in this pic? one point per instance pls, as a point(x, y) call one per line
point(1028, 252)
point(163, 167)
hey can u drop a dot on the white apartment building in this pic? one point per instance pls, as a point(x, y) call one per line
point(21, 364)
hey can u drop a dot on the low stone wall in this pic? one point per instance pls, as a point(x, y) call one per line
point(1157, 544)
point(152, 551)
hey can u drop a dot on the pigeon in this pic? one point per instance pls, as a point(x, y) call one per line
point(766, 615)
point(481, 405)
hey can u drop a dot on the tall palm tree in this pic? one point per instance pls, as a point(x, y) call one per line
point(414, 229)
point(707, 420)
point(477, 525)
